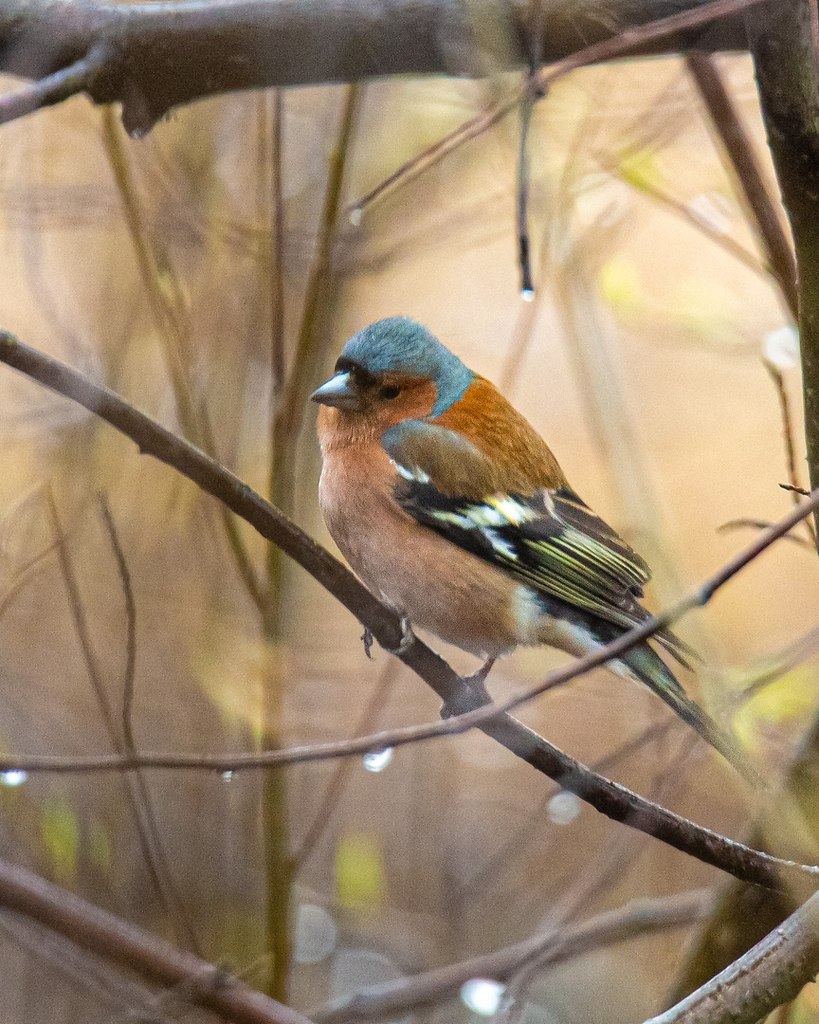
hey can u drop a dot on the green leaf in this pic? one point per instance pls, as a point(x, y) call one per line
point(60, 830)
point(359, 870)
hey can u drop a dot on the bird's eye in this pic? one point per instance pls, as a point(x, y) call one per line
point(390, 391)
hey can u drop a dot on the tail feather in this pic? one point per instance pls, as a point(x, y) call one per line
point(650, 669)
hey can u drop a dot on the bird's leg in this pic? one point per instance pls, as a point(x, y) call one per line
point(475, 682)
point(367, 640)
point(407, 638)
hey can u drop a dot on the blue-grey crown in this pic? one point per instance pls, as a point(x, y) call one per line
point(401, 345)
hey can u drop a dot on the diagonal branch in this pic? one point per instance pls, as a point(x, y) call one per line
point(121, 942)
point(770, 974)
point(611, 799)
point(638, 918)
point(739, 148)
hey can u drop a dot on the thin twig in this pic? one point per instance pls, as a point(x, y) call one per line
point(167, 309)
point(748, 522)
point(615, 801)
point(97, 977)
point(150, 837)
point(618, 858)
point(684, 210)
point(335, 787)
point(277, 325)
point(56, 87)
point(788, 434)
point(515, 846)
point(527, 287)
point(774, 666)
point(129, 672)
point(637, 918)
point(620, 45)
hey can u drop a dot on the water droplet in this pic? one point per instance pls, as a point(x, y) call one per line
point(711, 210)
point(482, 996)
point(528, 294)
point(228, 775)
point(563, 808)
point(377, 760)
point(13, 778)
point(316, 934)
point(355, 216)
point(781, 347)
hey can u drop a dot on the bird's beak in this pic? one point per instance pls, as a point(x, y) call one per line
point(338, 391)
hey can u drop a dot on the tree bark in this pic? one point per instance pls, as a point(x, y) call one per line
point(784, 41)
point(154, 56)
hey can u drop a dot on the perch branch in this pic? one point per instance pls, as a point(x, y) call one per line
point(611, 799)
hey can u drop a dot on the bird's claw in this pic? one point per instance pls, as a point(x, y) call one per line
point(407, 638)
point(367, 640)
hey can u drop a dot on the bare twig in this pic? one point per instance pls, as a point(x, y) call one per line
point(640, 917)
point(129, 672)
point(167, 309)
point(749, 523)
point(58, 86)
point(150, 838)
point(788, 434)
point(609, 798)
point(335, 787)
point(523, 837)
point(789, 98)
point(629, 41)
point(101, 979)
point(277, 326)
point(774, 666)
point(684, 210)
point(121, 942)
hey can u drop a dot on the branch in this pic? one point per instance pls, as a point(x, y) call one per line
point(611, 799)
point(117, 940)
point(784, 48)
point(635, 919)
point(770, 974)
point(163, 55)
point(739, 148)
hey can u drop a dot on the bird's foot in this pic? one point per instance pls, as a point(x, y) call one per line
point(407, 638)
point(367, 640)
point(476, 683)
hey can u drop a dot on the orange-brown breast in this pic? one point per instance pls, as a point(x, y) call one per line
point(521, 458)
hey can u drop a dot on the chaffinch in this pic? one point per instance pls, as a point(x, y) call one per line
point(449, 506)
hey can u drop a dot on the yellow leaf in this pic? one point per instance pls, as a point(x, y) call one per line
point(359, 869)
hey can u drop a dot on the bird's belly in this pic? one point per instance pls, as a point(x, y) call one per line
point(435, 584)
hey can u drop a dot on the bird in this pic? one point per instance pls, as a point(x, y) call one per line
point(452, 509)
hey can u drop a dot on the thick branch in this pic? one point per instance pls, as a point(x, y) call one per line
point(611, 799)
point(153, 958)
point(770, 974)
point(163, 54)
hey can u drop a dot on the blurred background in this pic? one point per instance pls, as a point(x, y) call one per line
point(210, 273)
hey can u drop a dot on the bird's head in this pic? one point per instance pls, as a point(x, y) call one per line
point(394, 370)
